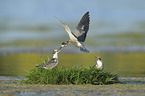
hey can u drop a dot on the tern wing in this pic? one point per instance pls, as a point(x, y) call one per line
point(48, 65)
point(40, 66)
point(52, 63)
point(71, 35)
point(82, 27)
point(84, 49)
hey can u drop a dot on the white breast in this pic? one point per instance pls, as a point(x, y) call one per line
point(99, 65)
point(55, 55)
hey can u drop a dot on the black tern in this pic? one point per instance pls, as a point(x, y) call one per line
point(79, 37)
point(51, 63)
point(99, 64)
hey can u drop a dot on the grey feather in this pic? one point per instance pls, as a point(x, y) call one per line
point(50, 64)
point(83, 27)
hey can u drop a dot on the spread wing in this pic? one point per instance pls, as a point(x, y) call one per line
point(52, 63)
point(71, 35)
point(82, 28)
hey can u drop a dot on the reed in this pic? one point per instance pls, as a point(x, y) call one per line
point(74, 75)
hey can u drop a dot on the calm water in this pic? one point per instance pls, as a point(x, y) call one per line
point(124, 64)
point(129, 86)
point(31, 27)
point(35, 20)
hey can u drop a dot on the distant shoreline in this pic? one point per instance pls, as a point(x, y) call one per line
point(70, 50)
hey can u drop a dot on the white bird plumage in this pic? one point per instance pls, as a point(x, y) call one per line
point(51, 63)
point(79, 37)
point(76, 40)
point(99, 64)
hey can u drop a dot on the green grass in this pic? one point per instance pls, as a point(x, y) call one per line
point(74, 75)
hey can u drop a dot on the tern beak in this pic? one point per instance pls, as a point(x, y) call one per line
point(58, 51)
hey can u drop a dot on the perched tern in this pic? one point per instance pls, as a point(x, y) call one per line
point(51, 63)
point(99, 64)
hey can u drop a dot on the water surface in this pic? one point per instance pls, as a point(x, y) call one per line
point(124, 64)
point(29, 30)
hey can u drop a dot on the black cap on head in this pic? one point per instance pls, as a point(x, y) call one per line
point(98, 58)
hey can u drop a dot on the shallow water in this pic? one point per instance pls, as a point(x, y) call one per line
point(128, 85)
point(9, 78)
point(125, 80)
point(124, 64)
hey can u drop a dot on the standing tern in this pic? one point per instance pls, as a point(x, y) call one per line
point(99, 64)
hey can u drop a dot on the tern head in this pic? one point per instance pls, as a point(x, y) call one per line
point(64, 44)
point(55, 51)
point(98, 58)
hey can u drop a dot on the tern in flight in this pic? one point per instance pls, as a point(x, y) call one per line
point(79, 37)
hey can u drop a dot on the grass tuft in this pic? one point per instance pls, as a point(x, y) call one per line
point(74, 75)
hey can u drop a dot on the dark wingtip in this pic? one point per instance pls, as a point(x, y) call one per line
point(87, 12)
point(86, 17)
